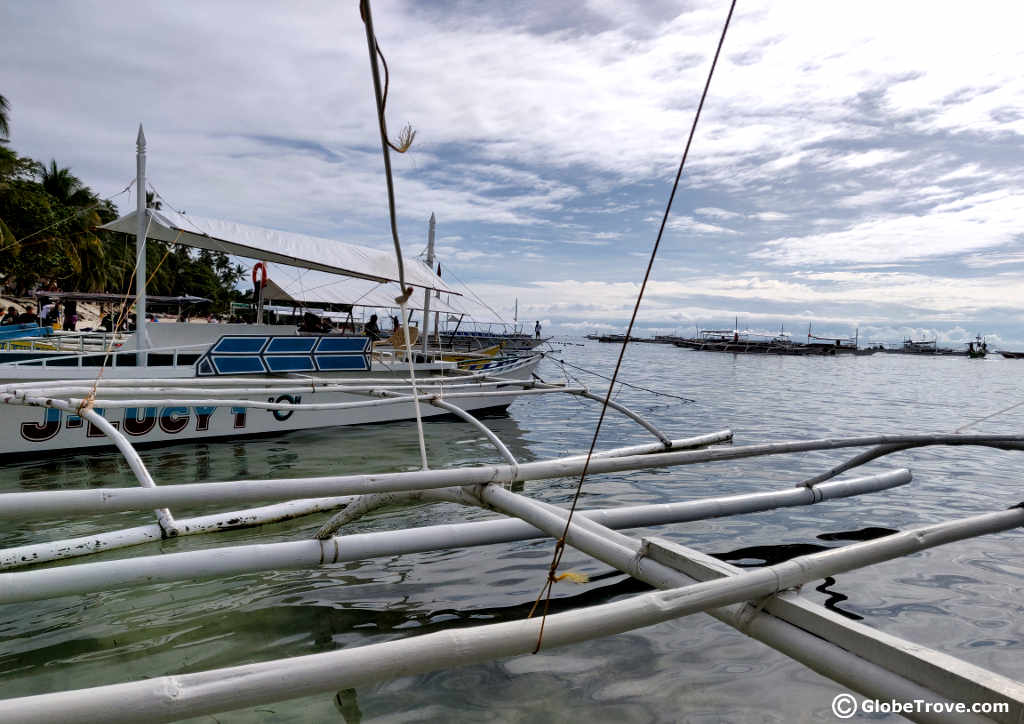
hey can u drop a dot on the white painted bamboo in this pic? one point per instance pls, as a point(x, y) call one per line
point(171, 697)
point(710, 438)
point(290, 488)
point(91, 577)
point(856, 461)
point(486, 431)
point(416, 396)
point(145, 393)
point(36, 553)
point(365, 504)
point(163, 516)
point(640, 420)
point(368, 503)
point(13, 505)
point(202, 382)
point(591, 537)
point(380, 400)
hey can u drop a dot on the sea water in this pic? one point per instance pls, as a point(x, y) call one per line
point(964, 599)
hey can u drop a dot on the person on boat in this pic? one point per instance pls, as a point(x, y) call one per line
point(536, 329)
point(10, 317)
point(28, 316)
point(311, 324)
point(107, 323)
point(70, 314)
point(372, 330)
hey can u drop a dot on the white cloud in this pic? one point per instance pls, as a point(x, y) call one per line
point(868, 159)
point(689, 224)
point(770, 216)
point(717, 213)
point(969, 224)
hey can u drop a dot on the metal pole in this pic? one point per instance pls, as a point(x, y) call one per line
point(426, 292)
point(141, 336)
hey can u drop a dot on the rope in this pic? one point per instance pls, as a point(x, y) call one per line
point(406, 291)
point(988, 417)
point(556, 558)
point(475, 296)
point(621, 383)
point(87, 401)
point(79, 212)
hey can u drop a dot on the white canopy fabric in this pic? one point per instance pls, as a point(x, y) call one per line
point(312, 287)
point(283, 247)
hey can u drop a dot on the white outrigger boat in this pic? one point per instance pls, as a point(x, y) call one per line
point(252, 379)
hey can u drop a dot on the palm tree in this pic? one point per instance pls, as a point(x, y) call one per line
point(65, 186)
point(5, 129)
point(80, 245)
point(7, 158)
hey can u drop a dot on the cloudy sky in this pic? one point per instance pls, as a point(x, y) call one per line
point(858, 165)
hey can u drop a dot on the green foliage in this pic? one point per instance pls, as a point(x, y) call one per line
point(5, 129)
point(48, 233)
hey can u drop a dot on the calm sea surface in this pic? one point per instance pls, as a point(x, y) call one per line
point(965, 599)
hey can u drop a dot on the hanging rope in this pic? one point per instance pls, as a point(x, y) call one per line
point(556, 558)
point(406, 291)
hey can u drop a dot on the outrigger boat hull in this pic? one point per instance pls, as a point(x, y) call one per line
point(153, 411)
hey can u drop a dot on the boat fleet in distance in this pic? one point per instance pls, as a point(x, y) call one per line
point(736, 342)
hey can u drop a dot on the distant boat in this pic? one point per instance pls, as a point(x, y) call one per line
point(731, 340)
point(977, 349)
point(1012, 355)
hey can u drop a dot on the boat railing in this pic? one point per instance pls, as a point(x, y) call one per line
point(171, 356)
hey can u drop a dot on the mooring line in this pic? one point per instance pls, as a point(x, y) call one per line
point(988, 417)
point(621, 383)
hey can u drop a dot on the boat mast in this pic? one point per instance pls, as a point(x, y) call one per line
point(426, 292)
point(141, 335)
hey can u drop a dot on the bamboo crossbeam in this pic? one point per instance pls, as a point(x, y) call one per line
point(699, 441)
point(36, 553)
point(639, 419)
point(379, 401)
point(293, 388)
point(170, 697)
point(92, 577)
point(39, 504)
point(204, 382)
point(856, 461)
point(163, 516)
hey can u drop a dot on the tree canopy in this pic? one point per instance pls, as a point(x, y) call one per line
point(49, 235)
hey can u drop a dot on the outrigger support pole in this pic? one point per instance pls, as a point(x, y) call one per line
point(141, 334)
point(426, 292)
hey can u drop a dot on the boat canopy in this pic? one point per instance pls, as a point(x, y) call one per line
point(283, 247)
point(312, 287)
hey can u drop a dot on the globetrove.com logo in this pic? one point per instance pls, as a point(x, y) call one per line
point(846, 706)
